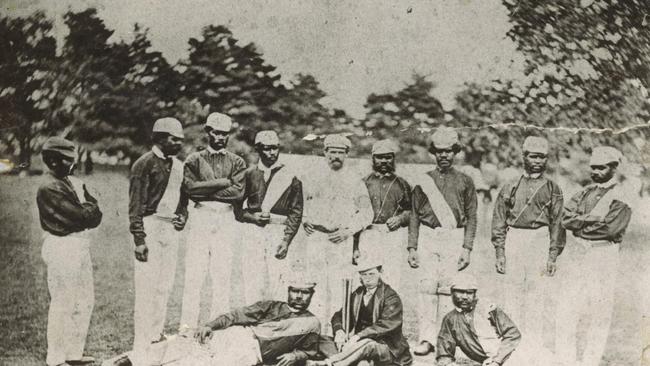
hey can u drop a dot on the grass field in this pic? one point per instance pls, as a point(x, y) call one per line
point(24, 300)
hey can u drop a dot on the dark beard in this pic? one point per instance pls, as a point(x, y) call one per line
point(384, 168)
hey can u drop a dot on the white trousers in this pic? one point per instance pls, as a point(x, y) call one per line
point(526, 283)
point(588, 291)
point(70, 283)
point(210, 243)
point(392, 247)
point(438, 252)
point(264, 275)
point(527, 353)
point(234, 346)
point(328, 264)
point(154, 280)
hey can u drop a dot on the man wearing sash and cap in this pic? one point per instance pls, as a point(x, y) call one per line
point(273, 204)
point(213, 180)
point(373, 332)
point(445, 204)
point(598, 217)
point(526, 228)
point(336, 207)
point(155, 216)
point(390, 196)
point(67, 211)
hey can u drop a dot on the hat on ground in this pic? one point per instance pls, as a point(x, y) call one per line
point(464, 281)
point(534, 144)
point(62, 146)
point(219, 121)
point(603, 155)
point(384, 147)
point(369, 260)
point(337, 140)
point(444, 138)
point(267, 137)
point(169, 125)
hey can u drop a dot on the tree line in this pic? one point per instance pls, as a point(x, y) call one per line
point(587, 67)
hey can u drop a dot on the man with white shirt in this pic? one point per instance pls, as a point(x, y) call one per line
point(213, 181)
point(336, 207)
point(155, 216)
point(272, 210)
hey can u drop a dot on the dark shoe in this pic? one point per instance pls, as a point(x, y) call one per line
point(423, 349)
point(84, 360)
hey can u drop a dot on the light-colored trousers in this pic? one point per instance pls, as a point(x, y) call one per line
point(211, 238)
point(438, 252)
point(154, 280)
point(234, 346)
point(588, 288)
point(364, 352)
point(264, 275)
point(328, 264)
point(392, 247)
point(526, 283)
point(70, 283)
point(527, 353)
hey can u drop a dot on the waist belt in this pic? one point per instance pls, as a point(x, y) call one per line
point(596, 243)
point(213, 206)
point(323, 229)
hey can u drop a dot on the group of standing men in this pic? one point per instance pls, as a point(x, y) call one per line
point(431, 222)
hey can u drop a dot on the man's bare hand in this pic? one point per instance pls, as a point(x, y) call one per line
point(179, 222)
point(393, 223)
point(309, 227)
point(340, 339)
point(339, 236)
point(203, 334)
point(141, 252)
point(287, 359)
point(551, 267)
point(413, 259)
point(261, 218)
point(501, 264)
point(463, 260)
point(356, 254)
point(281, 250)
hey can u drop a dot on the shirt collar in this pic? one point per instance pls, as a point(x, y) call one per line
point(607, 184)
point(385, 175)
point(368, 293)
point(271, 168)
point(533, 176)
point(213, 151)
point(156, 151)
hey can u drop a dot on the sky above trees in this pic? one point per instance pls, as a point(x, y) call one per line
point(353, 48)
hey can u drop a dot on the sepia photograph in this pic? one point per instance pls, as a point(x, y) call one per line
point(325, 183)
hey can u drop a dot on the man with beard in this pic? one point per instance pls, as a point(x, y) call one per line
point(155, 216)
point(483, 332)
point(273, 204)
point(598, 217)
point(67, 211)
point(526, 227)
point(270, 332)
point(390, 196)
point(445, 203)
point(213, 180)
point(374, 332)
point(336, 207)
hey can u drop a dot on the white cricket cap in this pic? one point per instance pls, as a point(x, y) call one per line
point(603, 155)
point(384, 147)
point(444, 138)
point(169, 125)
point(267, 137)
point(369, 260)
point(464, 281)
point(534, 144)
point(219, 121)
point(337, 140)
